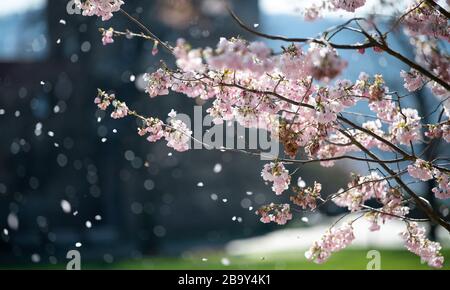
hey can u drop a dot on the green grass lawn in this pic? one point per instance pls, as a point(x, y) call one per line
point(347, 259)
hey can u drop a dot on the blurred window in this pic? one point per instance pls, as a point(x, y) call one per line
point(24, 30)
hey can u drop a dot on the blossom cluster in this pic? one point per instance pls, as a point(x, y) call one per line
point(100, 8)
point(431, 57)
point(361, 189)
point(237, 74)
point(278, 213)
point(372, 186)
point(442, 190)
point(313, 12)
point(307, 197)
point(423, 19)
point(108, 36)
point(323, 62)
point(406, 126)
point(416, 242)
point(276, 172)
point(175, 132)
point(413, 80)
point(348, 5)
point(424, 171)
point(334, 240)
point(104, 100)
point(393, 207)
point(436, 131)
point(421, 169)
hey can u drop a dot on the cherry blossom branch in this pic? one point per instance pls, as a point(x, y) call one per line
point(399, 20)
point(438, 8)
point(127, 34)
point(150, 34)
point(415, 66)
point(406, 156)
point(337, 194)
point(296, 39)
point(384, 46)
point(390, 144)
point(405, 218)
point(424, 206)
point(343, 157)
point(259, 154)
point(379, 138)
point(371, 43)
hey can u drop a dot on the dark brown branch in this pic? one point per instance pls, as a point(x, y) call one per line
point(146, 30)
point(438, 8)
point(415, 66)
point(426, 208)
point(380, 211)
point(296, 39)
point(379, 138)
point(383, 45)
point(343, 157)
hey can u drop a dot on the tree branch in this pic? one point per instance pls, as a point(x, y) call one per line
point(296, 39)
point(438, 8)
point(430, 212)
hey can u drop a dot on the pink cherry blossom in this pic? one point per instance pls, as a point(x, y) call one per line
point(155, 48)
point(103, 100)
point(157, 83)
point(307, 197)
point(442, 190)
point(178, 135)
point(278, 213)
point(374, 219)
point(108, 37)
point(446, 133)
point(434, 132)
point(332, 241)
point(421, 170)
point(417, 242)
point(406, 126)
point(392, 207)
point(361, 189)
point(120, 110)
point(385, 109)
point(377, 90)
point(188, 59)
point(348, 5)
point(323, 62)
point(154, 128)
point(311, 13)
point(425, 20)
point(276, 172)
point(413, 80)
point(101, 8)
